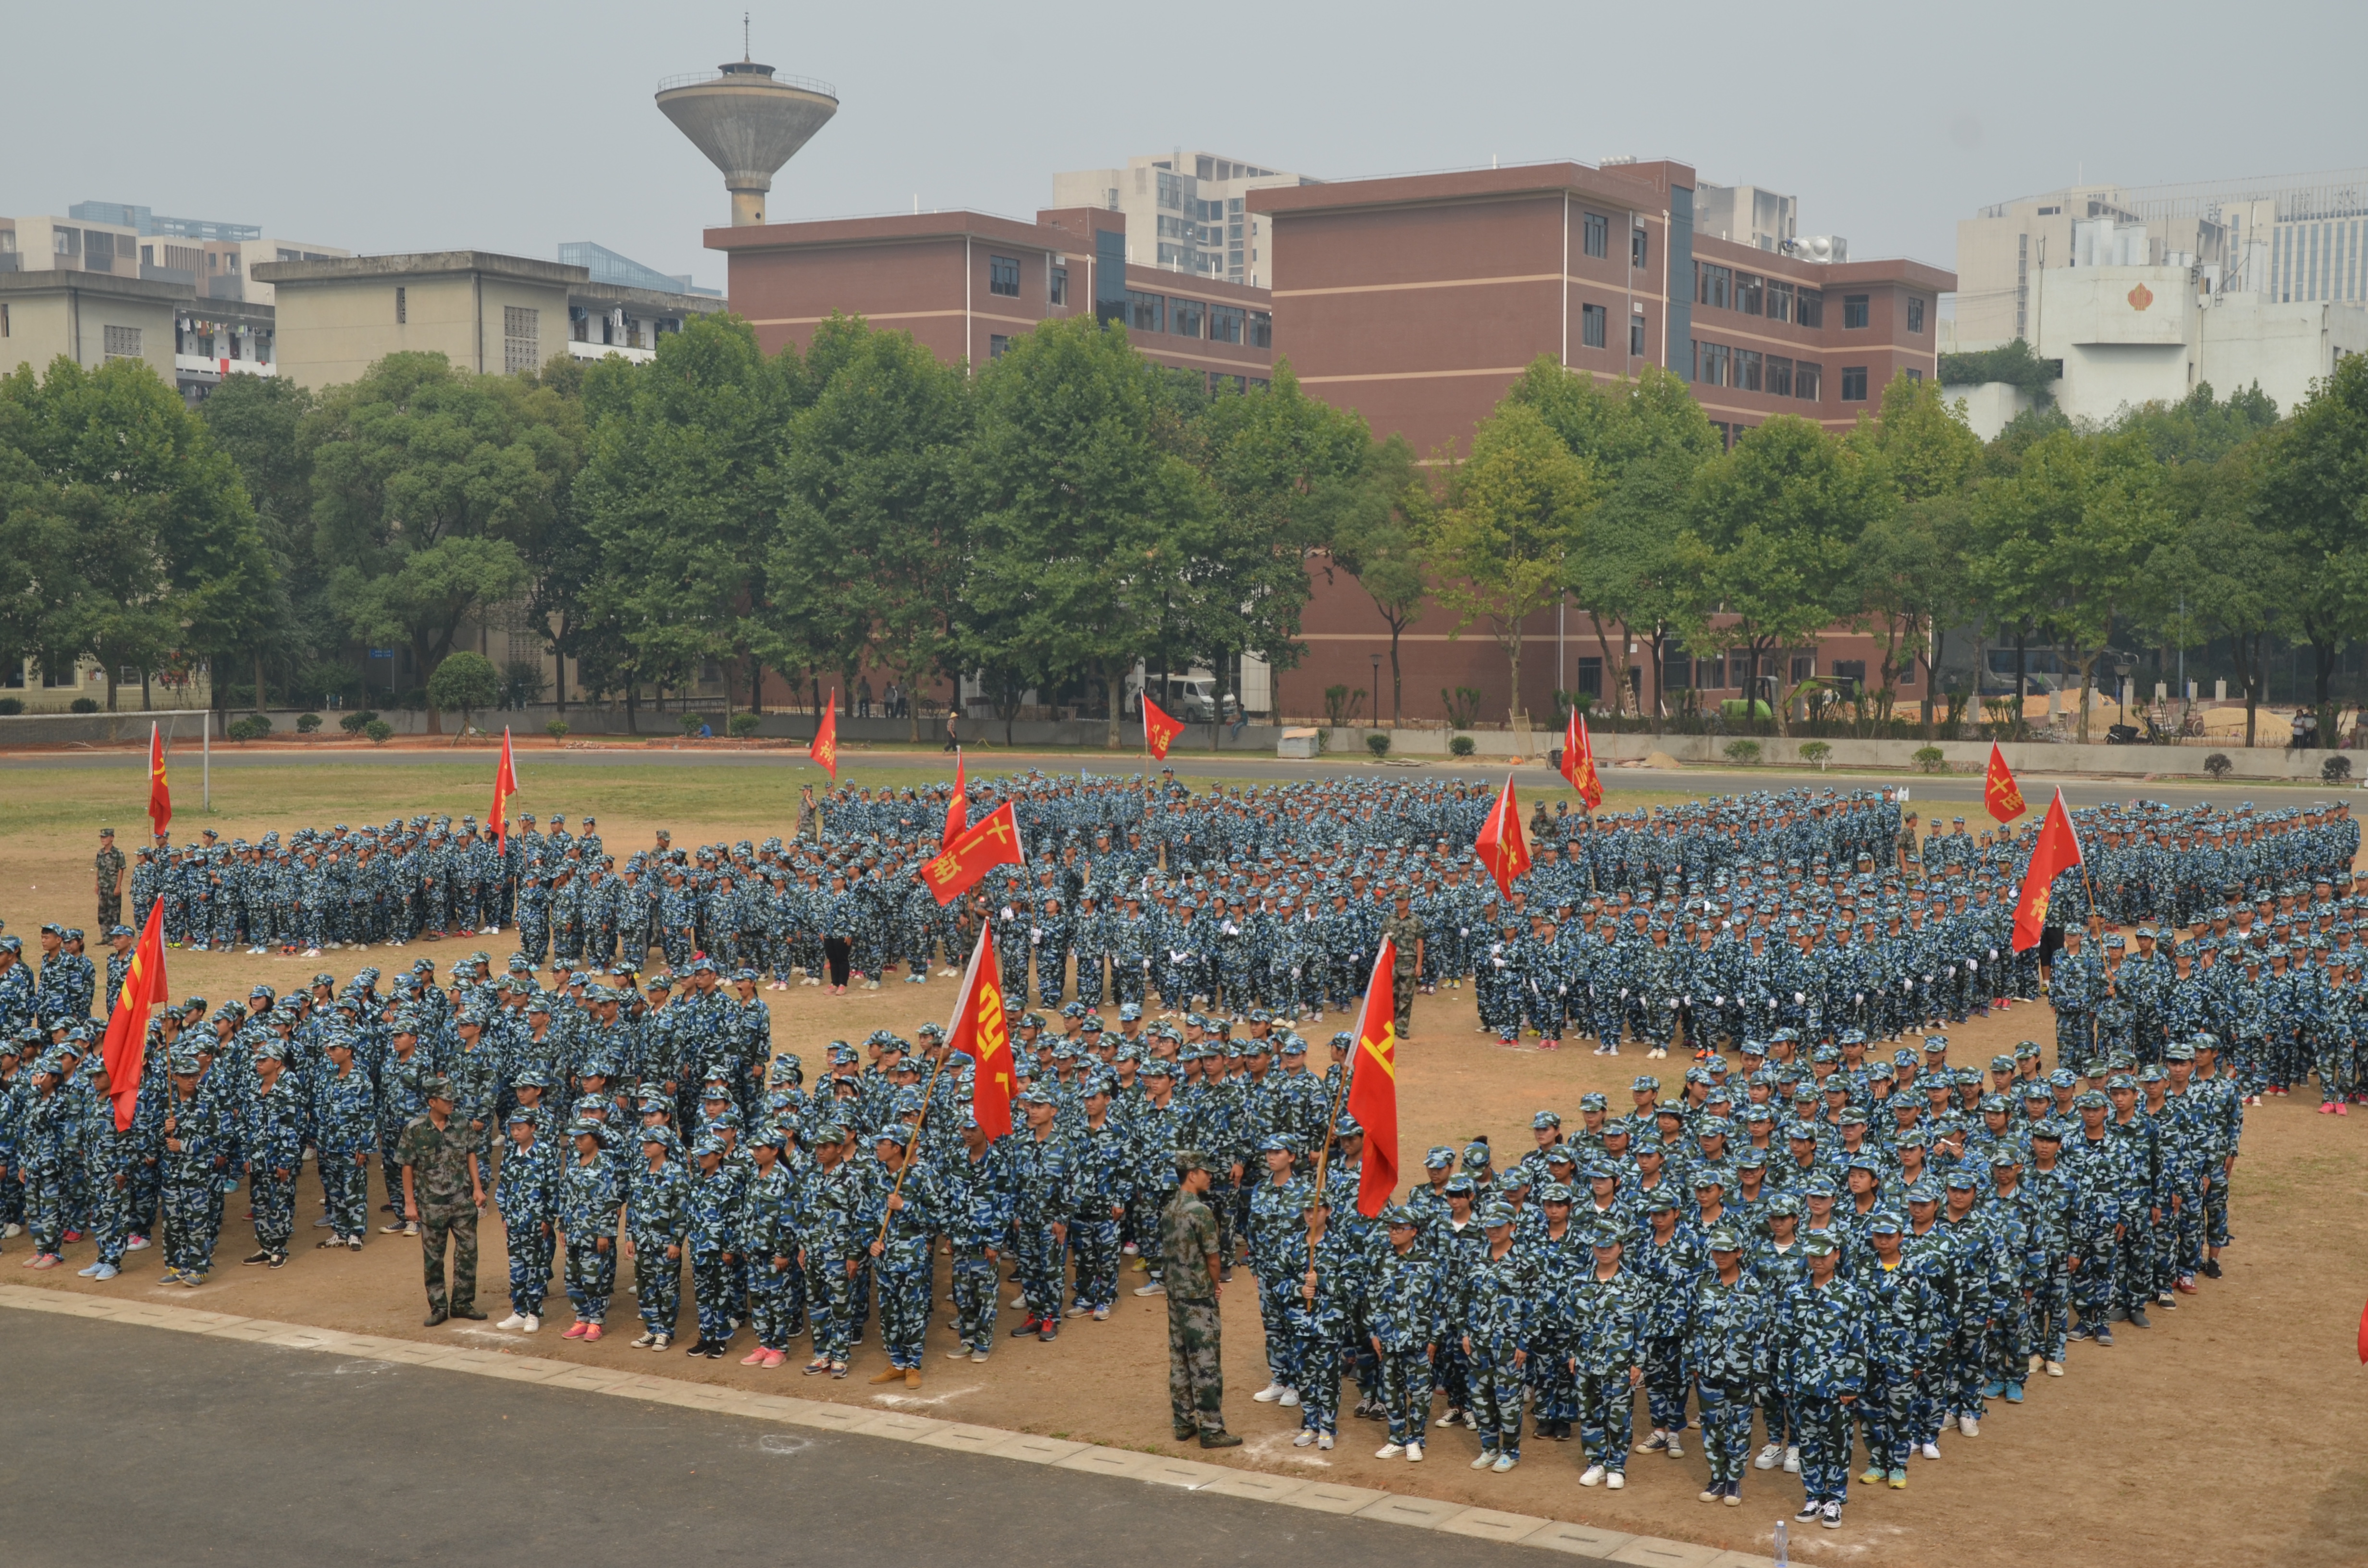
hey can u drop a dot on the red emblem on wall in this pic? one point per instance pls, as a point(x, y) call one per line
point(2141, 297)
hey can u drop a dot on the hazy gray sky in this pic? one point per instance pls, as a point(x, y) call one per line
point(512, 126)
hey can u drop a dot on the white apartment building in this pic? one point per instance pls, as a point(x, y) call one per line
point(1184, 212)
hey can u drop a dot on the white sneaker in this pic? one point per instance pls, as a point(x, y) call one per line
point(1325, 1442)
point(1830, 1515)
point(531, 1323)
point(977, 1358)
point(1505, 1462)
point(1677, 1447)
point(1593, 1477)
point(2056, 1368)
point(1269, 1394)
point(1970, 1426)
point(1487, 1456)
point(959, 1353)
point(1305, 1439)
point(647, 1339)
point(1413, 1453)
point(1793, 1459)
point(1614, 1480)
point(1767, 1456)
point(1153, 1289)
point(1389, 1451)
point(513, 1320)
point(1930, 1450)
point(1289, 1400)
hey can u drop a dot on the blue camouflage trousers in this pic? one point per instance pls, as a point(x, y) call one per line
point(275, 1208)
point(1042, 1260)
point(1665, 1382)
point(530, 1247)
point(904, 1313)
point(193, 1213)
point(344, 1191)
point(1405, 1393)
point(1274, 1317)
point(1498, 1392)
point(591, 1278)
point(1726, 1428)
point(1095, 1244)
point(1319, 1359)
point(1825, 1447)
point(1886, 1409)
point(714, 1290)
point(773, 1298)
point(657, 1284)
point(976, 1300)
point(45, 1208)
point(1607, 1416)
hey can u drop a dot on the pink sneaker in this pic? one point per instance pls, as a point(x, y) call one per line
point(591, 1331)
point(774, 1358)
point(44, 1260)
point(755, 1357)
point(576, 1331)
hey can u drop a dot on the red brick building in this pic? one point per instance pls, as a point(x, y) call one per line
point(1415, 300)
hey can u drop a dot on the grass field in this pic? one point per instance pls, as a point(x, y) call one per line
point(2228, 1435)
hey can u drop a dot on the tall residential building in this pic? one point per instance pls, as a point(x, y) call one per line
point(1186, 212)
point(2288, 238)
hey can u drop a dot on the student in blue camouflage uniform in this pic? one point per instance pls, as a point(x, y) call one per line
point(1493, 1315)
point(590, 1197)
point(277, 1126)
point(1405, 1310)
point(526, 1194)
point(1821, 1359)
point(978, 1190)
point(1727, 1328)
point(765, 1229)
point(898, 1218)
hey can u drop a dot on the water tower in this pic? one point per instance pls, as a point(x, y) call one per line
point(749, 122)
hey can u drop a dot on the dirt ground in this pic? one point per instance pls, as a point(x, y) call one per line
point(2228, 1433)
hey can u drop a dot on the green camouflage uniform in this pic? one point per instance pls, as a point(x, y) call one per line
point(448, 1213)
point(1406, 930)
point(1196, 1383)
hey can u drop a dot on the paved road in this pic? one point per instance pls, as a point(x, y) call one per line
point(856, 767)
point(140, 1445)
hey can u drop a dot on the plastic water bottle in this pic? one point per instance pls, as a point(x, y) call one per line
point(1782, 1559)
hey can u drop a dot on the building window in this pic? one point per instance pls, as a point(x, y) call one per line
point(1710, 363)
point(1224, 323)
point(1636, 246)
point(66, 242)
point(1914, 374)
point(997, 344)
point(1219, 382)
point(1184, 318)
point(1779, 300)
point(1853, 383)
point(1854, 311)
point(1914, 316)
point(1590, 675)
point(1849, 675)
point(1750, 291)
point(1810, 309)
point(1146, 312)
point(1171, 191)
point(122, 342)
point(1593, 325)
point(3, 320)
point(1596, 233)
point(1805, 377)
point(521, 338)
point(1261, 330)
point(1746, 370)
point(1637, 334)
point(1780, 376)
point(1058, 290)
point(1003, 277)
point(402, 308)
point(1713, 285)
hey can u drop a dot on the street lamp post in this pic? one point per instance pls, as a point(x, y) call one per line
point(1373, 691)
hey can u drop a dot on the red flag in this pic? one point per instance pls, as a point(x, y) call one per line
point(505, 786)
point(2000, 794)
point(978, 1030)
point(957, 808)
point(2058, 851)
point(125, 1050)
point(1159, 729)
point(2363, 1335)
point(994, 841)
point(1579, 762)
point(1502, 849)
point(160, 792)
point(824, 749)
point(1373, 1085)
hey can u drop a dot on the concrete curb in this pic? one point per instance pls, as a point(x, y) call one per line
point(1583, 1541)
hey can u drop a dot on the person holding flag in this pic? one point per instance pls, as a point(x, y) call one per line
point(1159, 730)
point(824, 752)
point(1579, 762)
point(160, 790)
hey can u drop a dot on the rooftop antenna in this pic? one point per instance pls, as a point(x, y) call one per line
point(743, 37)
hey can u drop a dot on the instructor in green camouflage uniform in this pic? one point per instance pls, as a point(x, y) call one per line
point(442, 1191)
point(1402, 927)
point(1188, 1245)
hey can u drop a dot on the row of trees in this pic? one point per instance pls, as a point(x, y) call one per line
point(1071, 508)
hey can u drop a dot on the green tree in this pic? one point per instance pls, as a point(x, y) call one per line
point(1782, 514)
point(465, 680)
point(1909, 579)
point(431, 487)
point(1514, 517)
point(875, 536)
point(1082, 511)
point(257, 421)
point(2314, 491)
point(2069, 537)
point(2224, 572)
point(138, 541)
point(1374, 522)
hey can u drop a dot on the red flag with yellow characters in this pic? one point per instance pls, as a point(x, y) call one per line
point(824, 750)
point(1579, 762)
point(994, 841)
point(1999, 792)
point(1502, 847)
point(1373, 1085)
point(2058, 851)
point(124, 1050)
point(978, 1030)
point(1159, 730)
point(160, 792)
